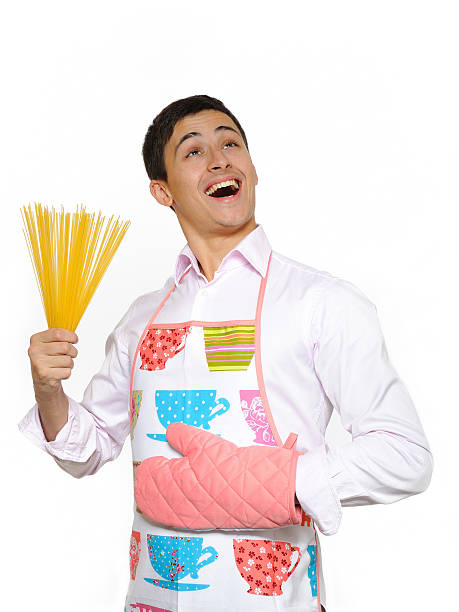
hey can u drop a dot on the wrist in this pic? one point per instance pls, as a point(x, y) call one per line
point(51, 400)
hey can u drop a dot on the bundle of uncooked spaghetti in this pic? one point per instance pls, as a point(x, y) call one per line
point(69, 255)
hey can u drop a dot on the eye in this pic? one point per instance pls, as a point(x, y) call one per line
point(197, 150)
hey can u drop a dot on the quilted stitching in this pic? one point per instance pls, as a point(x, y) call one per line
point(218, 485)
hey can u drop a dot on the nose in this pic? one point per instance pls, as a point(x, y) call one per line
point(217, 159)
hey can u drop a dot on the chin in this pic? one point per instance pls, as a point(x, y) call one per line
point(235, 218)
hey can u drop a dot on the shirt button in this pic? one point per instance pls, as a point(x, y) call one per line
point(204, 292)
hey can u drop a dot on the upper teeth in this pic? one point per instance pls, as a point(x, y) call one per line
point(223, 184)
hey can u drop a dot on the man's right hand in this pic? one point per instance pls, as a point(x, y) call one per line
point(51, 355)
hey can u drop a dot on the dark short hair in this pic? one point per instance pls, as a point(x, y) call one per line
point(160, 131)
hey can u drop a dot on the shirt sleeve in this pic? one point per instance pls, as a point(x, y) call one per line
point(97, 426)
point(389, 457)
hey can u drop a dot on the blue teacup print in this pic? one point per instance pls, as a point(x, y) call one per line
point(174, 557)
point(193, 407)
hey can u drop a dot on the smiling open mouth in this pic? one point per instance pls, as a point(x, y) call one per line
point(224, 190)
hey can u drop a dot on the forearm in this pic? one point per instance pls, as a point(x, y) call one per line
point(53, 411)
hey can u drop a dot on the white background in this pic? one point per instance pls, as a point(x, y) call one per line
point(351, 113)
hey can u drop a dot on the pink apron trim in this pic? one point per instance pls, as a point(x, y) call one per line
point(261, 381)
point(201, 323)
point(155, 314)
point(292, 438)
point(319, 605)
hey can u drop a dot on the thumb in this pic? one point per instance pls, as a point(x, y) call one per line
point(189, 440)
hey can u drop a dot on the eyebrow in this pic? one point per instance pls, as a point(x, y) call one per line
point(191, 134)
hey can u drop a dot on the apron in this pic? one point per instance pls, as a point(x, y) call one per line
point(208, 374)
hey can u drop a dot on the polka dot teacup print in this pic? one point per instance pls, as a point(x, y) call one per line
point(197, 407)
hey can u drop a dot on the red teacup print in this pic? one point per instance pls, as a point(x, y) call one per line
point(305, 518)
point(159, 345)
point(265, 564)
point(134, 552)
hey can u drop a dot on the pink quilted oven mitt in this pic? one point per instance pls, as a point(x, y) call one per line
point(217, 484)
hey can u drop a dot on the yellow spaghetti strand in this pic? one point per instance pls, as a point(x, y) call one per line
point(70, 253)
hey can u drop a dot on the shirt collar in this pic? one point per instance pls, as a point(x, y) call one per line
point(253, 248)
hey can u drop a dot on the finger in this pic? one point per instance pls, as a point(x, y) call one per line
point(60, 348)
point(60, 373)
point(59, 361)
point(55, 334)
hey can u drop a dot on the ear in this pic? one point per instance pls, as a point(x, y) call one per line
point(161, 193)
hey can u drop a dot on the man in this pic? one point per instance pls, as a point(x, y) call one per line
point(242, 355)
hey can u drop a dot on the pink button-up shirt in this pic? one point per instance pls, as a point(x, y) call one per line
point(338, 360)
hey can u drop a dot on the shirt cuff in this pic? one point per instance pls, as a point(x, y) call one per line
point(315, 492)
point(76, 441)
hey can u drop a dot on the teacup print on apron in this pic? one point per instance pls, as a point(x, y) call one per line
point(193, 407)
point(305, 518)
point(136, 401)
point(134, 553)
point(312, 573)
point(254, 414)
point(159, 345)
point(265, 564)
point(229, 347)
point(174, 558)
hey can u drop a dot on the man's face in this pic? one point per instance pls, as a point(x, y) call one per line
point(197, 161)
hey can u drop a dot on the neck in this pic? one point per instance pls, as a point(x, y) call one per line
point(211, 249)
